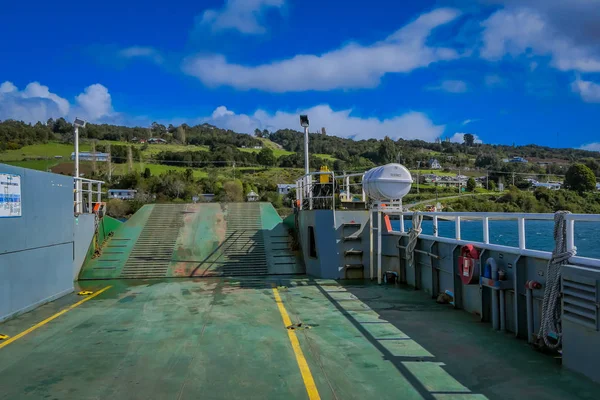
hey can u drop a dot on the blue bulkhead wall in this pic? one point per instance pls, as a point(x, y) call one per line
point(36, 249)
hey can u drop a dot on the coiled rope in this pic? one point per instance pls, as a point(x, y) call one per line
point(413, 235)
point(551, 310)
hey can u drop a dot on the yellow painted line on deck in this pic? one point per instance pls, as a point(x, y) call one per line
point(309, 382)
point(53, 317)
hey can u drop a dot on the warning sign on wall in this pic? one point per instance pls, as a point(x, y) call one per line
point(10, 195)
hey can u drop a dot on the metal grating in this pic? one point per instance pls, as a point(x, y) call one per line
point(152, 253)
point(243, 253)
point(580, 303)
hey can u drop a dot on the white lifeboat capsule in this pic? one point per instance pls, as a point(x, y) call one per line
point(388, 182)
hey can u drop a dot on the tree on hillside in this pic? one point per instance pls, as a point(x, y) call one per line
point(257, 132)
point(266, 157)
point(179, 134)
point(471, 184)
point(580, 178)
point(158, 129)
point(265, 133)
point(387, 151)
point(469, 139)
point(232, 191)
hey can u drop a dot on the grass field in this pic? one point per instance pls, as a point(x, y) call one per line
point(438, 172)
point(277, 152)
point(47, 150)
point(328, 157)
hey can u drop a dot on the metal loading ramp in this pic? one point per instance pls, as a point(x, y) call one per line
point(193, 240)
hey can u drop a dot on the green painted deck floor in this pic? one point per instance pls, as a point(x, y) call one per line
point(219, 338)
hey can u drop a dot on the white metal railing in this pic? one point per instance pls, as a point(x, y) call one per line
point(521, 218)
point(348, 189)
point(85, 190)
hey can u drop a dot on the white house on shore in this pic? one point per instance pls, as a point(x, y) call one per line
point(89, 156)
point(434, 164)
point(123, 194)
point(285, 188)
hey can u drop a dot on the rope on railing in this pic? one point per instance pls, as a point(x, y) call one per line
point(551, 309)
point(413, 235)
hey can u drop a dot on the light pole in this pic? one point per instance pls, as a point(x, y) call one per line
point(78, 123)
point(304, 124)
point(418, 171)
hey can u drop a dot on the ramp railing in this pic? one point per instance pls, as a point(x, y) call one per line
point(87, 192)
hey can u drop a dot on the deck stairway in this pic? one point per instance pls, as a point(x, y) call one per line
point(243, 252)
point(153, 250)
point(353, 264)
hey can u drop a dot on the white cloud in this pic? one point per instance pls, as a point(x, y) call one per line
point(35, 90)
point(459, 137)
point(591, 146)
point(469, 121)
point(146, 52)
point(245, 16)
point(7, 87)
point(452, 86)
point(517, 31)
point(352, 66)
point(95, 102)
point(411, 125)
point(36, 103)
point(588, 90)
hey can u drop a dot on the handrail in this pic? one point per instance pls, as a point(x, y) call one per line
point(519, 217)
point(79, 191)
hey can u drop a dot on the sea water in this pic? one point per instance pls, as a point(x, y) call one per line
point(538, 234)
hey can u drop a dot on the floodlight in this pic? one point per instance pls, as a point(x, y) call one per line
point(79, 123)
point(304, 121)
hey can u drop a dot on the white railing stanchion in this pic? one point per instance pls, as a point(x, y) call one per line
point(570, 233)
point(521, 224)
point(457, 225)
point(89, 196)
point(486, 230)
point(99, 193)
point(435, 225)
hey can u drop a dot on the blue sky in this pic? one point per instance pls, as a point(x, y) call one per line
point(507, 71)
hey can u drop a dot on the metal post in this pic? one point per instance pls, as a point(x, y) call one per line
point(99, 192)
point(529, 294)
point(371, 243)
point(89, 186)
point(486, 230)
point(378, 246)
point(77, 181)
point(521, 222)
point(418, 171)
point(306, 159)
point(457, 224)
point(309, 192)
point(299, 190)
point(502, 312)
point(435, 225)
